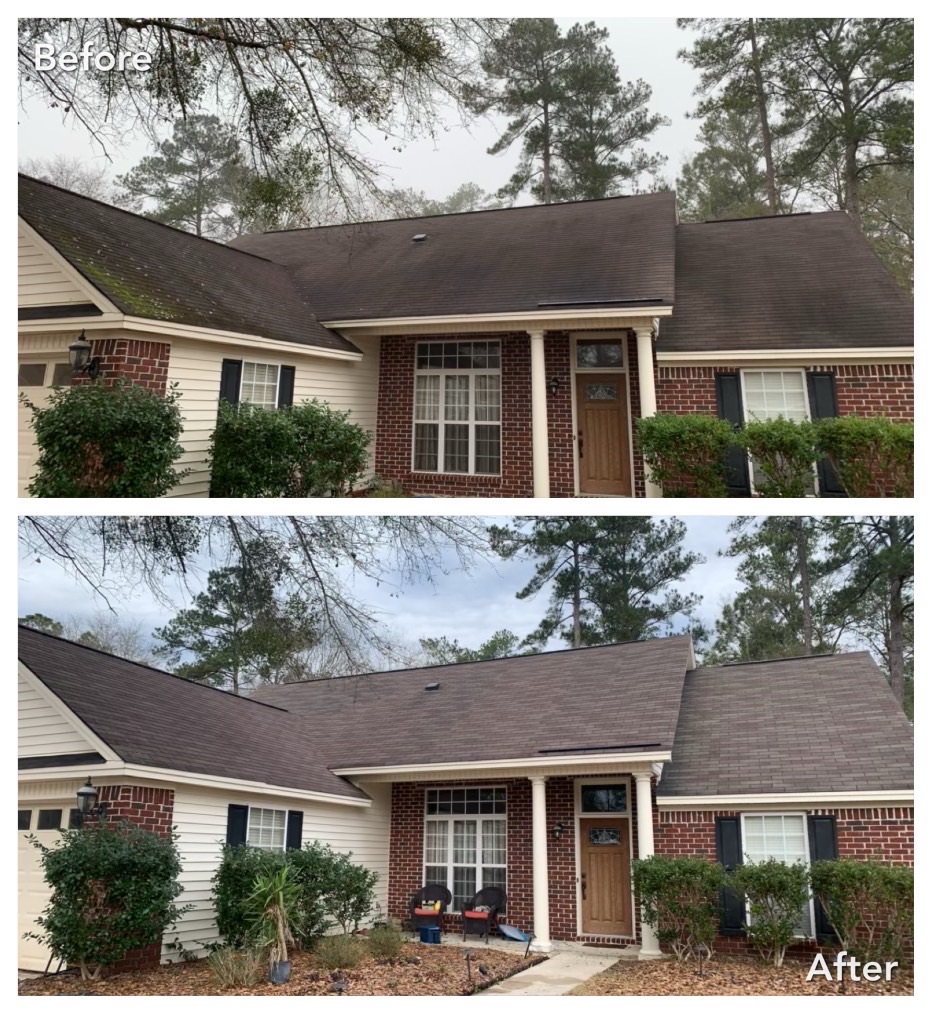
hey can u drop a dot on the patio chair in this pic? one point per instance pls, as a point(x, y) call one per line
point(422, 910)
point(480, 913)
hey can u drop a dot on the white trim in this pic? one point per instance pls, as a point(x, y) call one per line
point(106, 751)
point(518, 317)
point(813, 800)
point(530, 764)
point(81, 281)
point(724, 356)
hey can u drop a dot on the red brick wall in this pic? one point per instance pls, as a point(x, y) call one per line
point(151, 809)
point(885, 834)
point(139, 362)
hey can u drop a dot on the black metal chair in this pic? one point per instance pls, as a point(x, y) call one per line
point(480, 913)
point(422, 911)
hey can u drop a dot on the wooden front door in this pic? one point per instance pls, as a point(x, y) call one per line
point(603, 442)
point(605, 876)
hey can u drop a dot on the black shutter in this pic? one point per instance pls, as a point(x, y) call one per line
point(295, 826)
point(728, 394)
point(237, 818)
point(230, 373)
point(823, 844)
point(824, 405)
point(728, 847)
point(285, 386)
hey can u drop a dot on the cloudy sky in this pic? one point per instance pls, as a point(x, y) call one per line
point(643, 47)
point(469, 607)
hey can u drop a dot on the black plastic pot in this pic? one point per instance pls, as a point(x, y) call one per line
point(279, 972)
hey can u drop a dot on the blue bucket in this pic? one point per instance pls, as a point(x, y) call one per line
point(430, 934)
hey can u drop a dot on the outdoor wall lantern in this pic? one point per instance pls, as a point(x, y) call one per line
point(558, 829)
point(79, 354)
point(87, 804)
point(553, 385)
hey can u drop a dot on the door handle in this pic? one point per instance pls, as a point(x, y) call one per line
point(580, 438)
point(583, 884)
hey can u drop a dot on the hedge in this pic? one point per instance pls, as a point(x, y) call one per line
point(686, 453)
point(871, 456)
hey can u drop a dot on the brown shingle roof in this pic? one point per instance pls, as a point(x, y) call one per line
point(620, 697)
point(828, 723)
point(794, 281)
point(149, 717)
point(589, 252)
point(157, 272)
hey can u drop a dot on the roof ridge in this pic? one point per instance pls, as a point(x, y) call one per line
point(460, 214)
point(144, 218)
point(783, 658)
point(144, 665)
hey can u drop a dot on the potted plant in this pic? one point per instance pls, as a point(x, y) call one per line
point(272, 902)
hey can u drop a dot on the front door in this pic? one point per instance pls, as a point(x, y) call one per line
point(605, 876)
point(603, 444)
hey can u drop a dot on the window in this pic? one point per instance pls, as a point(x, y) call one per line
point(769, 394)
point(31, 374)
point(603, 799)
point(49, 820)
point(25, 818)
point(266, 828)
point(259, 385)
point(783, 837)
point(600, 354)
point(62, 375)
point(457, 408)
point(463, 849)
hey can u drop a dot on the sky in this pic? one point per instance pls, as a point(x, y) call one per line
point(643, 47)
point(469, 607)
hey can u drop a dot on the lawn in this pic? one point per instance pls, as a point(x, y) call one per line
point(730, 977)
point(421, 970)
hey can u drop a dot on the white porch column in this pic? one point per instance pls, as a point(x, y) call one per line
point(646, 387)
point(649, 946)
point(540, 439)
point(539, 858)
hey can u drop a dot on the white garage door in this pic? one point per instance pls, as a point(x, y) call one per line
point(43, 820)
point(36, 380)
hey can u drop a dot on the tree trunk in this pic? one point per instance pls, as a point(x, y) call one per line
point(577, 599)
point(548, 193)
point(897, 674)
point(805, 587)
point(852, 184)
point(766, 138)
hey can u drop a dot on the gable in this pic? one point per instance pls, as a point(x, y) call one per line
point(44, 280)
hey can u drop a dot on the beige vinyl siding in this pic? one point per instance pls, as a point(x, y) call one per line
point(44, 730)
point(200, 818)
point(42, 282)
point(195, 367)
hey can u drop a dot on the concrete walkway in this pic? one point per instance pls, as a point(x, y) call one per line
point(554, 977)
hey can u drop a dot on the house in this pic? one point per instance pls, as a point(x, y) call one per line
point(543, 774)
point(491, 353)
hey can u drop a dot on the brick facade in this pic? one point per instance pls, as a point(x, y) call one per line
point(139, 362)
point(153, 810)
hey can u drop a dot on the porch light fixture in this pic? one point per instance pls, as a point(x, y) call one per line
point(87, 804)
point(553, 385)
point(558, 828)
point(79, 355)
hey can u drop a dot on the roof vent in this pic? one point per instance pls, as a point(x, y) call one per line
point(432, 686)
point(420, 237)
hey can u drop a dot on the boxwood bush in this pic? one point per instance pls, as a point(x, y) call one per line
point(106, 440)
point(871, 456)
point(784, 454)
point(685, 454)
point(301, 451)
point(776, 893)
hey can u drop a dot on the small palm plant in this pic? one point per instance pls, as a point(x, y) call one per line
point(272, 904)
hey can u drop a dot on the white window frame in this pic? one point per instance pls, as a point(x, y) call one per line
point(242, 375)
point(744, 414)
point(440, 422)
point(270, 809)
point(617, 338)
point(449, 819)
point(805, 819)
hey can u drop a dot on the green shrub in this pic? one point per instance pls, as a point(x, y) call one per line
point(113, 890)
point(339, 951)
point(351, 896)
point(385, 942)
point(302, 451)
point(679, 897)
point(272, 905)
point(869, 905)
point(106, 440)
point(233, 883)
point(686, 453)
point(784, 455)
point(312, 869)
point(776, 893)
point(871, 456)
point(237, 966)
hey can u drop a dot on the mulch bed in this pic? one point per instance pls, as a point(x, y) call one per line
point(422, 970)
point(731, 977)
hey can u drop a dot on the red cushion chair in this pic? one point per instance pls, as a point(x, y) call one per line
point(421, 910)
point(480, 913)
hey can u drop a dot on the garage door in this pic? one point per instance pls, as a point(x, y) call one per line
point(44, 821)
point(36, 380)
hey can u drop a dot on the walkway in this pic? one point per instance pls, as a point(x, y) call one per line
point(556, 976)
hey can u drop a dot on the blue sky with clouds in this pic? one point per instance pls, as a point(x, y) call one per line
point(468, 606)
